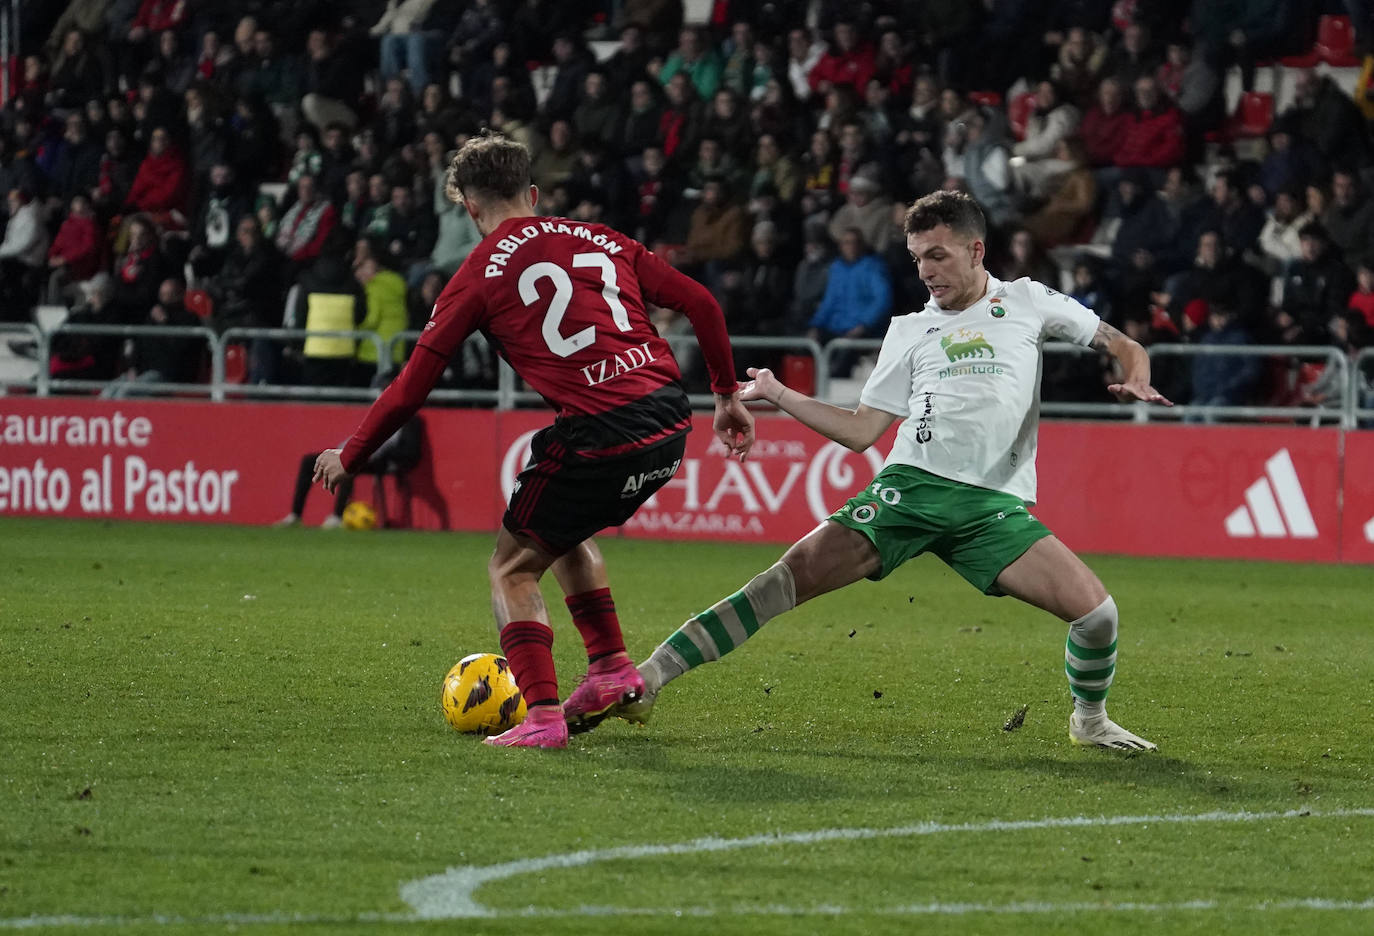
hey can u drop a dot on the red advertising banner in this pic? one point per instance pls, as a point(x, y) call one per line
point(1162, 490)
point(793, 479)
point(215, 463)
point(1357, 539)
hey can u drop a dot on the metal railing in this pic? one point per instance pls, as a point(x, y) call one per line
point(1345, 414)
point(1355, 407)
point(501, 397)
point(1360, 389)
point(290, 336)
point(22, 331)
point(143, 332)
point(1315, 415)
point(688, 345)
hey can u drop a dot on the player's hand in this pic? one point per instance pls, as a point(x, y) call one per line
point(764, 387)
point(329, 470)
point(734, 426)
point(1135, 391)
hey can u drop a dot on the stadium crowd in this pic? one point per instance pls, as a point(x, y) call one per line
point(284, 162)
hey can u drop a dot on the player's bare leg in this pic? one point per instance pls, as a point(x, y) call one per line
point(1051, 577)
point(515, 569)
point(611, 678)
point(829, 557)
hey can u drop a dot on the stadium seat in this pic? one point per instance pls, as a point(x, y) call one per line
point(1308, 59)
point(199, 302)
point(1336, 42)
point(1019, 111)
point(1254, 115)
point(799, 372)
point(235, 364)
point(985, 98)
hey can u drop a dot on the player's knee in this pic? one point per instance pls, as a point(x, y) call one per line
point(584, 559)
point(1099, 624)
point(773, 591)
point(505, 567)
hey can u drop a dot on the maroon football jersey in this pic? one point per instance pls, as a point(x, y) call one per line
point(564, 303)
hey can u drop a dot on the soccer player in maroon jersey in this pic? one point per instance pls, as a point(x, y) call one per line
point(564, 303)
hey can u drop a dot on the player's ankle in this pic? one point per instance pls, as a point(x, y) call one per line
point(608, 661)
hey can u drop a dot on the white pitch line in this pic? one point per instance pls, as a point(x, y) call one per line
point(451, 895)
point(927, 909)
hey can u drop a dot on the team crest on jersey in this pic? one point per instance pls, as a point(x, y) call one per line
point(996, 308)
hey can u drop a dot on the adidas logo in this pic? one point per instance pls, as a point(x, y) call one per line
point(1276, 506)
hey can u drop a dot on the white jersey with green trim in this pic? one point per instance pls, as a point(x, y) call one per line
point(968, 383)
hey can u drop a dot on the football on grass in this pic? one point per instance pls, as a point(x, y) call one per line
point(480, 695)
point(359, 515)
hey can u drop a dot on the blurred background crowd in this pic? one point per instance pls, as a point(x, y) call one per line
point(1193, 170)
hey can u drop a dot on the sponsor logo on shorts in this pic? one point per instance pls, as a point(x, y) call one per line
point(923, 432)
point(635, 482)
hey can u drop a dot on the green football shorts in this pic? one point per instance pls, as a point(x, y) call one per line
point(977, 532)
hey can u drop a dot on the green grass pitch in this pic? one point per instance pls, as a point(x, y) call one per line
point(207, 728)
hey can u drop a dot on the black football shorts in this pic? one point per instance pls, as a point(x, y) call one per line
point(562, 498)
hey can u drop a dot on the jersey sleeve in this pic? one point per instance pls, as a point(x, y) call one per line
point(889, 386)
point(456, 315)
point(1065, 317)
point(662, 285)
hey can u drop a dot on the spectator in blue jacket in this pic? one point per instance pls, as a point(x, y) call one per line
point(857, 301)
point(1223, 380)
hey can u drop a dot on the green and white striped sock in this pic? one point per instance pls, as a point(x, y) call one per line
point(1090, 658)
point(722, 627)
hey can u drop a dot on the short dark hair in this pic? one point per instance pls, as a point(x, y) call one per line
point(1315, 231)
point(957, 210)
point(490, 164)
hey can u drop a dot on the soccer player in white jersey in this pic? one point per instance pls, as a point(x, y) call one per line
point(963, 376)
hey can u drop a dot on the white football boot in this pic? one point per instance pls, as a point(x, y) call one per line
point(1104, 733)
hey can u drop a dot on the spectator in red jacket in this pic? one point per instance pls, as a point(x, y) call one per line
point(1104, 125)
point(847, 62)
point(153, 17)
point(74, 256)
point(159, 189)
point(1153, 136)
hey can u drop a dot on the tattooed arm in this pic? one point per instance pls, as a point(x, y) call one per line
point(1134, 364)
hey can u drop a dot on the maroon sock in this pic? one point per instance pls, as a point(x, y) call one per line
point(528, 648)
point(593, 615)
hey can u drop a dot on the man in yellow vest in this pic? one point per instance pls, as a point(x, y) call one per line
point(386, 312)
point(329, 299)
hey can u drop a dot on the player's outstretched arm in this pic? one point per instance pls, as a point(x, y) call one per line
point(1135, 365)
point(854, 429)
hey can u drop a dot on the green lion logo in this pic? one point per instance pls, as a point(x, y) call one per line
point(965, 344)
